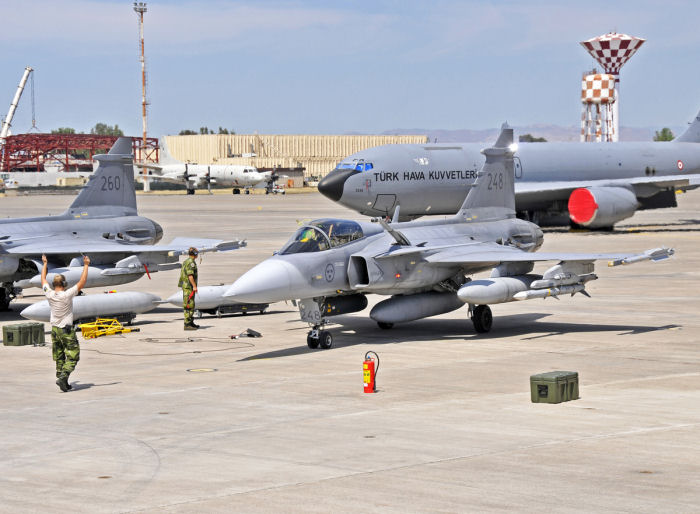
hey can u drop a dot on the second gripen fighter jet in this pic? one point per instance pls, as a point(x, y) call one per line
point(425, 266)
point(594, 185)
point(102, 222)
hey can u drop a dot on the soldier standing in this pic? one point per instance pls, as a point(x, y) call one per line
point(188, 283)
point(65, 348)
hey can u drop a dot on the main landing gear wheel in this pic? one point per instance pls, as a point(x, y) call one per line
point(190, 191)
point(482, 318)
point(311, 341)
point(384, 326)
point(236, 191)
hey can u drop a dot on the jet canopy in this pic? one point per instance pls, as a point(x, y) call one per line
point(320, 235)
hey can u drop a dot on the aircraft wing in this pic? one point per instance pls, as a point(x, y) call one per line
point(565, 187)
point(480, 255)
point(177, 246)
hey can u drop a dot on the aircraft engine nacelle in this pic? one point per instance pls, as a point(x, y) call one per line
point(601, 207)
point(8, 265)
point(337, 305)
point(95, 277)
point(494, 290)
point(399, 309)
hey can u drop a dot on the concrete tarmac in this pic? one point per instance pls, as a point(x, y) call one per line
point(170, 421)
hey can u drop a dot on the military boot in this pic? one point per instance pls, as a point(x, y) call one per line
point(191, 327)
point(62, 383)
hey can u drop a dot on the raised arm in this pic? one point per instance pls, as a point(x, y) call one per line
point(43, 271)
point(83, 277)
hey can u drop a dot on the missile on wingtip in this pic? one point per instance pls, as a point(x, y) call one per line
point(98, 305)
point(657, 254)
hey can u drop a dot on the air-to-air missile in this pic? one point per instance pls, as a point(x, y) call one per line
point(211, 300)
point(329, 265)
point(124, 306)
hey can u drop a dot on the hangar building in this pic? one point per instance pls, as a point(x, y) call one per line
point(317, 154)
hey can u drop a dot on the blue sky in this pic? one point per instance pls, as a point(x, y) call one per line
point(341, 66)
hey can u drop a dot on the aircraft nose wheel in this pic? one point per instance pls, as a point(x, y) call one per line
point(482, 318)
point(319, 339)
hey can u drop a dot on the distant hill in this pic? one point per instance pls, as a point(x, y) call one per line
point(549, 132)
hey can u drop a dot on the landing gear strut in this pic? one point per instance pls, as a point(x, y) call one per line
point(482, 318)
point(310, 311)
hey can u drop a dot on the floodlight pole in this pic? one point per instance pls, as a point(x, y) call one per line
point(140, 8)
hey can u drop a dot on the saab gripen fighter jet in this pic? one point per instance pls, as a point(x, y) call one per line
point(593, 185)
point(102, 222)
point(331, 264)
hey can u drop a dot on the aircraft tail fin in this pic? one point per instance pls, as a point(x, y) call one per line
point(110, 190)
point(165, 157)
point(494, 187)
point(692, 133)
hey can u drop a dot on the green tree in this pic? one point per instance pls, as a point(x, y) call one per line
point(226, 131)
point(664, 135)
point(205, 130)
point(63, 130)
point(529, 138)
point(102, 129)
point(187, 132)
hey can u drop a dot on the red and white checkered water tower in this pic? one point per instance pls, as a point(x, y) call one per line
point(600, 94)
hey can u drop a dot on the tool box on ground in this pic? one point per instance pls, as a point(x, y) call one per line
point(554, 387)
point(23, 334)
point(104, 327)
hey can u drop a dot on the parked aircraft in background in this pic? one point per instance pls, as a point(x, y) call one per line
point(331, 264)
point(103, 223)
point(193, 176)
point(590, 184)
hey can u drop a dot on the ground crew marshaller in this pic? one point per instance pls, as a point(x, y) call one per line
point(65, 348)
point(188, 283)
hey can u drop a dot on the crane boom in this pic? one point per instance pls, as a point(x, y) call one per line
point(13, 106)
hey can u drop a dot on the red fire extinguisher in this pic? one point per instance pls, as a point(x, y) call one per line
point(369, 372)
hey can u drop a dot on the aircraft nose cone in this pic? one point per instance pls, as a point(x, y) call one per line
point(270, 281)
point(331, 186)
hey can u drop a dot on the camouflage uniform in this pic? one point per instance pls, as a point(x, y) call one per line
point(189, 267)
point(65, 351)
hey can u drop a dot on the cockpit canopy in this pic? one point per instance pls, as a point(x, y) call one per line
point(355, 164)
point(320, 235)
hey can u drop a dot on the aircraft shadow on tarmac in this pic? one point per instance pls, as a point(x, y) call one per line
point(689, 225)
point(527, 325)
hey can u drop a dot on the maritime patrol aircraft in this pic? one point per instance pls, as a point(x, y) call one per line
point(593, 185)
point(235, 176)
point(425, 266)
point(102, 222)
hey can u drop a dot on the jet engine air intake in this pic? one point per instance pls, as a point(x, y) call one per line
point(601, 207)
point(358, 274)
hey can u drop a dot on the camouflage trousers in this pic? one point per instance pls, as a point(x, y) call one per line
point(188, 305)
point(65, 350)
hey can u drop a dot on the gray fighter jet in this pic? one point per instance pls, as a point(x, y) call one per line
point(331, 264)
point(593, 185)
point(103, 223)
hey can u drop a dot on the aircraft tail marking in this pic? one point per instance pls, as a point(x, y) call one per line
point(494, 187)
point(110, 190)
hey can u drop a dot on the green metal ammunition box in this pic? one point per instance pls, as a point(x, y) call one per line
point(554, 387)
point(23, 334)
